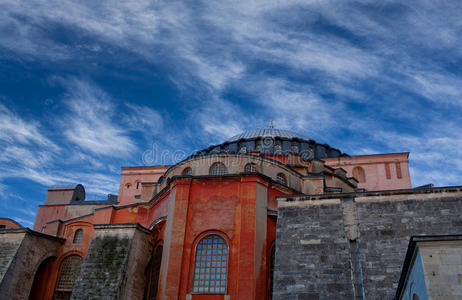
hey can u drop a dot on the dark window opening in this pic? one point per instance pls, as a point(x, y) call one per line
point(153, 274)
point(78, 236)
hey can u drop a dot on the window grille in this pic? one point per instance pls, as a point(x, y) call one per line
point(281, 178)
point(78, 236)
point(218, 169)
point(250, 168)
point(68, 273)
point(211, 266)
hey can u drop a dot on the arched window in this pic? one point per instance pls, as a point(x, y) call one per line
point(210, 265)
point(78, 236)
point(218, 169)
point(250, 168)
point(153, 274)
point(68, 273)
point(359, 174)
point(281, 178)
point(187, 171)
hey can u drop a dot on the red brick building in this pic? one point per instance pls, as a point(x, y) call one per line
point(207, 225)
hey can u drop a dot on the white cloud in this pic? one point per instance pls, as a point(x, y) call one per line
point(14, 129)
point(91, 123)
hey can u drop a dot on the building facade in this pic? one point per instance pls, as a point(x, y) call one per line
point(204, 228)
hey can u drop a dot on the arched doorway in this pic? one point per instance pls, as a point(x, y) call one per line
point(153, 274)
point(41, 279)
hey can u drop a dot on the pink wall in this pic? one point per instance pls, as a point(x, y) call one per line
point(375, 169)
point(132, 177)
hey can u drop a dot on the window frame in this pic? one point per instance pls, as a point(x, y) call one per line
point(252, 165)
point(186, 170)
point(78, 231)
point(194, 256)
point(61, 262)
point(215, 164)
point(283, 176)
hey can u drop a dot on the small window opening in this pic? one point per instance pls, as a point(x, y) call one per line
point(78, 236)
point(250, 168)
point(281, 178)
point(187, 171)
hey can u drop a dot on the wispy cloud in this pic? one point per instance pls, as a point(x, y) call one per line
point(91, 123)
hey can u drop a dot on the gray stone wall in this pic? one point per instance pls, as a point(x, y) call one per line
point(385, 229)
point(115, 263)
point(312, 254)
point(327, 249)
point(21, 253)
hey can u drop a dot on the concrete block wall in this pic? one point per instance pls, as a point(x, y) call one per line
point(313, 238)
point(115, 263)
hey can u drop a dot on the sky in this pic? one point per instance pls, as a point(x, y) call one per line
point(89, 86)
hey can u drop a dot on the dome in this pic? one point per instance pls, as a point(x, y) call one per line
point(273, 133)
point(272, 142)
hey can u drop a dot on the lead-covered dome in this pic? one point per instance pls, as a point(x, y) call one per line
point(273, 133)
point(272, 142)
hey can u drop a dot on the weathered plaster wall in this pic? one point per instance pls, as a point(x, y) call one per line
point(21, 253)
point(315, 247)
point(442, 264)
point(115, 264)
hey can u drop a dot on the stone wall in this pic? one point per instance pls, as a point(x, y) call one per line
point(312, 253)
point(115, 263)
point(362, 245)
point(21, 253)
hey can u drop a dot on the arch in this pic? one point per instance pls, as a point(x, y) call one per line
point(358, 173)
point(250, 168)
point(281, 178)
point(78, 236)
point(41, 278)
point(187, 171)
point(210, 269)
point(68, 273)
point(271, 275)
point(153, 274)
point(218, 168)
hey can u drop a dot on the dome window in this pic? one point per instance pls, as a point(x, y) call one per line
point(281, 178)
point(187, 171)
point(250, 168)
point(218, 169)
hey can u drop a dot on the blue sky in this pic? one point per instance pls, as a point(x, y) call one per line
point(89, 86)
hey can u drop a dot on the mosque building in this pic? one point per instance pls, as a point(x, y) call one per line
point(267, 214)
